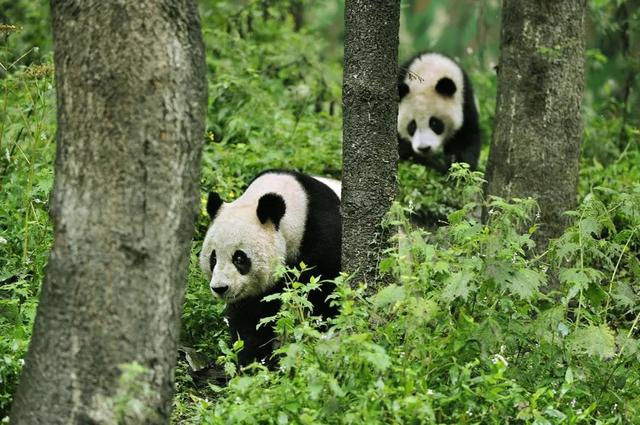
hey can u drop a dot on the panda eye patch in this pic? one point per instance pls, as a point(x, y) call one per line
point(436, 125)
point(212, 260)
point(241, 261)
point(411, 128)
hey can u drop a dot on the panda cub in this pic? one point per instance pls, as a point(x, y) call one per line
point(284, 217)
point(437, 113)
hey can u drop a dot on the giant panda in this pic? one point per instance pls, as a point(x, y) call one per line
point(437, 113)
point(283, 217)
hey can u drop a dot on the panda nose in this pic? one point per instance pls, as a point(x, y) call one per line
point(425, 149)
point(220, 289)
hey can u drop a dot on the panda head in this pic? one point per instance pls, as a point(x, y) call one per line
point(431, 102)
point(243, 245)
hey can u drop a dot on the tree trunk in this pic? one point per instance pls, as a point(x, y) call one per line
point(296, 7)
point(131, 98)
point(370, 146)
point(535, 149)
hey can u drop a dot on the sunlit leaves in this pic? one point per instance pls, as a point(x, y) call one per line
point(457, 286)
point(596, 341)
point(525, 283)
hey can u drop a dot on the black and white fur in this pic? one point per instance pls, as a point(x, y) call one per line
point(437, 113)
point(284, 217)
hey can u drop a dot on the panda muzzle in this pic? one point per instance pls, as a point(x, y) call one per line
point(220, 290)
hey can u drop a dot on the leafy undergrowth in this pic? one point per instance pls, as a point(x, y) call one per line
point(472, 330)
point(26, 177)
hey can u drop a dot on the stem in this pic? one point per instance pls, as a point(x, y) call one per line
point(4, 110)
point(582, 269)
point(619, 360)
point(633, 328)
point(35, 135)
point(615, 270)
point(19, 59)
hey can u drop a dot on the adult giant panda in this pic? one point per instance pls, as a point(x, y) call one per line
point(437, 113)
point(284, 217)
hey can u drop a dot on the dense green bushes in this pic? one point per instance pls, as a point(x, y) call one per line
point(26, 177)
point(473, 329)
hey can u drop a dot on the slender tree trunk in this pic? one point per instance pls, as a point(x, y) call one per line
point(131, 84)
point(370, 148)
point(297, 11)
point(538, 131)
point(623, 16)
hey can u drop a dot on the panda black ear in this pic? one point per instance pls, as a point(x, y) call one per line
point(446, 87)
point(403, 90)
point(213, 204)
point(271, 207)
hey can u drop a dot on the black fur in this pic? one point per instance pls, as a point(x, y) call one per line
point(465, 144)
point(320, 249)
point(213, 204)
point(446, 87)
point(271, 207)
point(403, 89)
point(244, 316)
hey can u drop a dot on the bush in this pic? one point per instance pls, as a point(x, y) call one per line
point(471, 330)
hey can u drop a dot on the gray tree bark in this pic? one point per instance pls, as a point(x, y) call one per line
point(370, 146)
point(131, 99)
point(535, 149)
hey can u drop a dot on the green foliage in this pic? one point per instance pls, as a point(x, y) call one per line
point(472, 329)
point(26, 178)
point(29, 41)
point(469, 332)
point(272, 104)
point(202, 320)
point(273, 101)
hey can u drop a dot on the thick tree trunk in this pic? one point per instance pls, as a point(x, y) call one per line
point(131, 82)
point(369, 146)
point(538, 131)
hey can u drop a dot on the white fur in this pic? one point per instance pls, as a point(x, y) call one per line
point(335, 185)
point(425, 138)
point(422, 102)
point(237, 227)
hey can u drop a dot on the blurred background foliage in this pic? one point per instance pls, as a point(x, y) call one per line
point(275, 102)
point(468, 30)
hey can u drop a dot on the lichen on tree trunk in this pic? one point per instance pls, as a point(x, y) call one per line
point(537, 137)
point(370, 152)
point(131, 99)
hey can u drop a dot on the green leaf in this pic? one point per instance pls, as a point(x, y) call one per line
point(457, 286)
point(589, 226)
point(595, 294)
point(386, 265)
point(441, 267)
point(628, 345)
point(389, 295)
point(377, 356)
point(283, 419)
point(573, 276)
point(499, 271)
point(576, 278)
point(230, 368)
point(525, 283)
point(568, 376)
point(566, 249)
point(242, 384)
point(594, 341)
point(624, 295)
